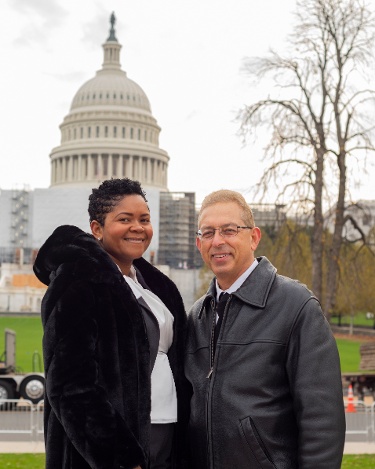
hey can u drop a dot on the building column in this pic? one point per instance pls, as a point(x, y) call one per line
point(89, 167)
point(130, 167)
point(100, 167)
point(110, 166)
point(63, 179)
point(149, 173)
point(79, 168)
point(70, 168)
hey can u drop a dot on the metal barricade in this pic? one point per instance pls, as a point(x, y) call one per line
point(360, 421)
point(16, 417)
point(39, 426)
point(22, 417)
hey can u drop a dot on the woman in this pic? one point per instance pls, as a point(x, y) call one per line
point(113, 341)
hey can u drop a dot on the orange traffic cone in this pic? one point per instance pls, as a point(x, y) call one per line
point(350, 407)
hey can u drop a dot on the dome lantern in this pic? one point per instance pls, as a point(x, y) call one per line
point(112, 48)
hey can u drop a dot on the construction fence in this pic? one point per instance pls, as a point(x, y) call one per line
point(21, 420)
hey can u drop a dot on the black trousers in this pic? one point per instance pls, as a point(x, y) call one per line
point(161, 445)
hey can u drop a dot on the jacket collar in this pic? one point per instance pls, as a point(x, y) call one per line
point(255, 289)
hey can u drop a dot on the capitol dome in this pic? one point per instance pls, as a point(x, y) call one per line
point(110, 130)
point(109, 88)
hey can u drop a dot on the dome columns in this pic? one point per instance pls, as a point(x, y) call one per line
point(99, 166)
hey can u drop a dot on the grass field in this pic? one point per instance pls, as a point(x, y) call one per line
point(28, 341)
point(360, 319)
point(349, 354)
point(36, 461)
point(358, 461)
point(22, 461)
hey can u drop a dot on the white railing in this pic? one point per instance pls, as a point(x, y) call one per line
point(360, 420)
point(21, 417)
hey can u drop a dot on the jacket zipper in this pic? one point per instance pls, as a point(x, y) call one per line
point(213, 307)
point(212, 362)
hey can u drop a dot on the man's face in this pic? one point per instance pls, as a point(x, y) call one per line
point(227, 257)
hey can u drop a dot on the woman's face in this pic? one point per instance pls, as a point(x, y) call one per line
point(127, 231)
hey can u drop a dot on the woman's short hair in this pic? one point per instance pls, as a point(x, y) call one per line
point(103, 199)
point(224, 195)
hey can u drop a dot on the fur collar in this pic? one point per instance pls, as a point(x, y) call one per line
point(80, 253)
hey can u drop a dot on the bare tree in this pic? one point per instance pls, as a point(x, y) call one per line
point(320, 114)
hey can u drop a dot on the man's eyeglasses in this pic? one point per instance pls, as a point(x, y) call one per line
point(226, 231)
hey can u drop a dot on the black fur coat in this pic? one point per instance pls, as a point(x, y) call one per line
point(97, 358)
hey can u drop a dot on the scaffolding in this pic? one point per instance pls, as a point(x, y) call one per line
point(19, 226)
point(178, 221)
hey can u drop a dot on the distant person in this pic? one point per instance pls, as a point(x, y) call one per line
point(263, 363)
point(113, 341)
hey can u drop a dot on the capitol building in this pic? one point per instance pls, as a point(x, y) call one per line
point(109, 132)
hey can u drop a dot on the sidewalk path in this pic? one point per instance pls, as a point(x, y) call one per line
point(38, 447)
point(21, 447)
point(358, 447)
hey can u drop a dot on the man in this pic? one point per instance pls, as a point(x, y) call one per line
point(268, 394)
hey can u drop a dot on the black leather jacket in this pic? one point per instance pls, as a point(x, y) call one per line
point(271, 397)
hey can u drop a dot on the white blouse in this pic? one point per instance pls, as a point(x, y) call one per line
point(163, 389)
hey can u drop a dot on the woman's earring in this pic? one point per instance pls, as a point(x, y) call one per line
point(99, 239)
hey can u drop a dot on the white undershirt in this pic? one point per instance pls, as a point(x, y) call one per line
point(163, 389)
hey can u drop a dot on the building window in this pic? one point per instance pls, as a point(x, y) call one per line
point(97, 131)
point(139, 134)
point(106, 131)
point(131, 132)
point(123, 132)
point(114, 132)
point(89, 132)
point(81, 132)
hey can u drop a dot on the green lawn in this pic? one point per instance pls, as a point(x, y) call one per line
point(22, 461)
point(28, 340)
point(36, 461)
point(360, 319)
point(358, 461)
point(349, 355)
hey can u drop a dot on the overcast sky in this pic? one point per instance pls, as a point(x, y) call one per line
point(185, 54)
